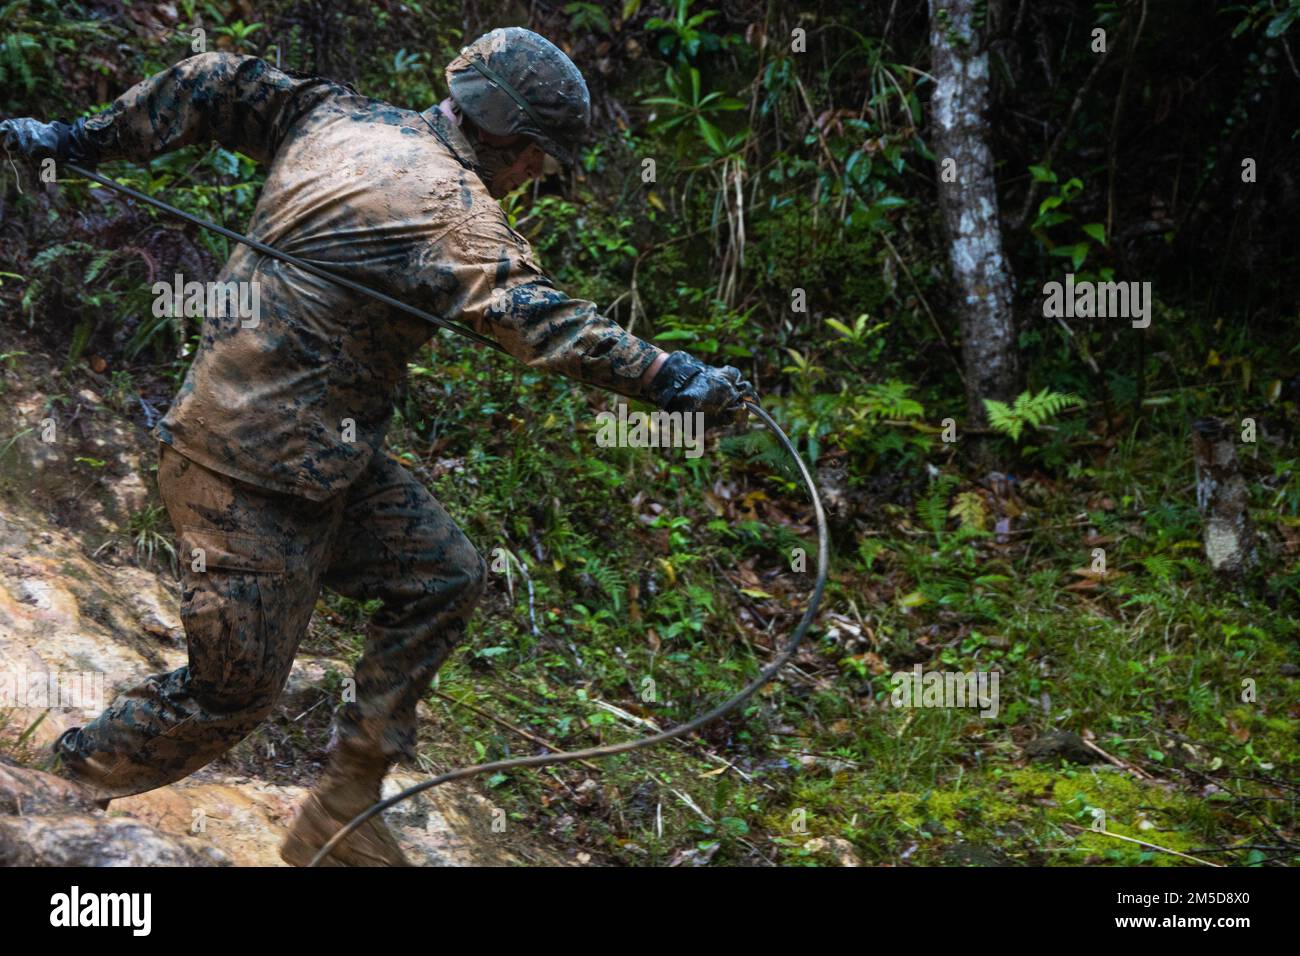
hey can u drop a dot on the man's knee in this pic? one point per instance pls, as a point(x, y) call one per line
point(250, 701)
point(472, 570)
point(454, 585)
point(243, 631)
point(438, 589)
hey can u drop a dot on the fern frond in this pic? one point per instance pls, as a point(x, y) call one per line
point(56, 252)
point(97, 265)
point(968, 509)
point(1003, 419)
point(609, 579)
point(933, 508)
point(1160, 566)
point(1029, 409)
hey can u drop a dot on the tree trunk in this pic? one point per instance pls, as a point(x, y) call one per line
point(1223, 499)
point(969, 201)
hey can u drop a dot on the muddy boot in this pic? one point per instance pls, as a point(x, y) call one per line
point(351, 783)
point(62, 762)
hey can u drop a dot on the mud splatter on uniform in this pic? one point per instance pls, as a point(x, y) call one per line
point(371, 192)
point(257, 469)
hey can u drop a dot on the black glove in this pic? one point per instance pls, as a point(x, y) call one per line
point(685, 384)
point(35, 141)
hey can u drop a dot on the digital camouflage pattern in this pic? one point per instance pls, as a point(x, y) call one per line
point(262, 560)
point(272, 466)
point(513, 81)
point(381, 195)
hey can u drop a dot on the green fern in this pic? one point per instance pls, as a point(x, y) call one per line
point(968, 509)
point(80, 339)
point(1160, 566)
point(1029, 409)
point(610, 579)
point(933, 508)
point(56, 252)
point(97, 265)
point(889, 400)
point(759, 448)
point(14, 67)
point(33, 40)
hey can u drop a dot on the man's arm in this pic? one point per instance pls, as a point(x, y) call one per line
point(483, 273)
point(239, 101)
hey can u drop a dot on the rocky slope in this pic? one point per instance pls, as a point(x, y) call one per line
point(77, 521)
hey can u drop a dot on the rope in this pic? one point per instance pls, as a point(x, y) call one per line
point(541, 760)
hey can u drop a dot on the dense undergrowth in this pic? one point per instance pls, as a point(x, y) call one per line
point(636, 588)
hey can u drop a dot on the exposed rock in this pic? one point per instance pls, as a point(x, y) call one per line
point(76, 629)
point(245, 820)
point(25, 792)
point(837, 848)
point(47, 821)
point(86, 840)
point(1061, 745)
point(968, 854)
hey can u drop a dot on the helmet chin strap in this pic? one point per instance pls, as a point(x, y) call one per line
point(494, 160)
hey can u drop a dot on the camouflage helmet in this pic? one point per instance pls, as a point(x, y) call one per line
point(513, 80)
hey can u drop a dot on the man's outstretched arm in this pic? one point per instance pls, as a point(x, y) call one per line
point(483, 273)
point(238, 101)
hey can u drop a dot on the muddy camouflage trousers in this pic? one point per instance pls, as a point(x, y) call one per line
point(254, 562)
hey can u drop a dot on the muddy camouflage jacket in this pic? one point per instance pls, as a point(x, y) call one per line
point(300, 402)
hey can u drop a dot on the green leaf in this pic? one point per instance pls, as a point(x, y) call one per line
point(712, 135)
point(1281, 23)
point(1051, 202)
point(735, 825)
point(912, 599)
point(1052, 219)
point(1097, 231)
point(674, 335)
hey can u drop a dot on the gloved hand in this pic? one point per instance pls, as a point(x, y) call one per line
point(685, 384)
point(33, 140)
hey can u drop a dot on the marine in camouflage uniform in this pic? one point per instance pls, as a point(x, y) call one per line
point(272, 465)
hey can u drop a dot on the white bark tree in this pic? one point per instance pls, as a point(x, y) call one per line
point(969, 202)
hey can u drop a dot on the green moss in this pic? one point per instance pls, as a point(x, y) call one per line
point(1132, 808)
point(73, 570)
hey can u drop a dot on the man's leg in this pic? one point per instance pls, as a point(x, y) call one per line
point(252, 562)
point(398, 544)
